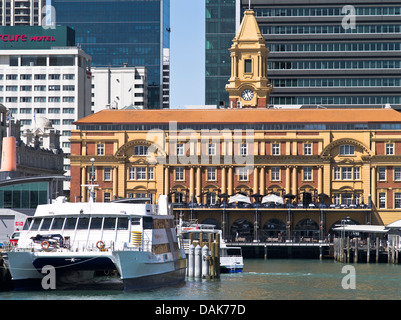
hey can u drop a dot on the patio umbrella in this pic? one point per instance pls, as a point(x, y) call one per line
point(272, 198)
point(257, 196)
point(240, 198)
point(289, 196)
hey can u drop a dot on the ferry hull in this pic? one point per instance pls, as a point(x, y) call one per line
point(138, 270)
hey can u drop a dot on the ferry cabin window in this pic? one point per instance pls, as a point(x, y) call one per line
point(70, 223)
point(147, 223)
point(234, 252)
point(135, 221)
point(58, 223)
point(122, 223)
point(36, 223)
point(27, 224)
point(96, 223)
point(46, 224)
point(83, 224)
point(109, 224)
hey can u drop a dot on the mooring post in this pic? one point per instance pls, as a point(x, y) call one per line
point(265, 252)
point(356, 250)
point(368, 250)
point(377, 249)
point(320, 252)
point(348, 249)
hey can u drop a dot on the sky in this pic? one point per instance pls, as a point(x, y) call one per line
point(187, 53)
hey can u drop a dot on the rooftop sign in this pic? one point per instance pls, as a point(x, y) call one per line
point(35, 37)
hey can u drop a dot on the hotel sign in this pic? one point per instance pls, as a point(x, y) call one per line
point(35, 37)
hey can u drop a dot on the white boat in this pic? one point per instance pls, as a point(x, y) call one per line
point(136, 240)
point(231, 259)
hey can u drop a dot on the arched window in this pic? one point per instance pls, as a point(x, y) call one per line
point(306, 229)
point(242, 230)
point(274, 230)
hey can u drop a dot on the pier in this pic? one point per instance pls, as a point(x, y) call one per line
point(301, 249)
point(356, 250)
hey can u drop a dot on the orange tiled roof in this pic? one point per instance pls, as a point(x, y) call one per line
point(242, 116)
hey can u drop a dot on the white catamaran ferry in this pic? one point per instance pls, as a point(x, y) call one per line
point(137, 240)
point(231, 259)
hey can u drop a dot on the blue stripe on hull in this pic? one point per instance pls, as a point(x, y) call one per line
point(155, 281)
point(230, 270)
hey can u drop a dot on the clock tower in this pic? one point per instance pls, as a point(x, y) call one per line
point(248, 85)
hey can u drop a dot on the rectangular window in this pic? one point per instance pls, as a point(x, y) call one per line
point(397, 174)
point(211, 174)
point(382, 173)
point(357, 173)
point(106, 197)
point(248, 66)
point(53, 110)
point(275, 174)
point(307, 149)
point(397, 200)
point(346, 173)
point(389, 149)
point(382, 200)
point(347, 150)
point(243, 149)
point(307, 174)
point(107, 174)
point(275, 149)
point(179, 174)
point(131, 173)
point(100, 149)
point(150, 173)
point(211, 151)
point(141, 173)
point(69, 110)
point(242, 174)
point(180, 149)
point(337, 199)
point(140, 150)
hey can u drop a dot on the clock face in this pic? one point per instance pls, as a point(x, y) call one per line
point(247, 95)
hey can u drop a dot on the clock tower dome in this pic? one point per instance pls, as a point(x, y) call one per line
point(248, 85)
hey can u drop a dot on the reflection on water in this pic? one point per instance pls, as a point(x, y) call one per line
point(261, 280)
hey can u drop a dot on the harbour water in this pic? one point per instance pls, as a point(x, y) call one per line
point(261, 280)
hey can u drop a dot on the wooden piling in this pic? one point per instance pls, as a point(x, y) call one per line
point(368, 250)
point(348, 250)
point(377, 249)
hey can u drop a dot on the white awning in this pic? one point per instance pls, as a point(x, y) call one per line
point(272, 198)
point(362, 228)
point(239, 198)
point(394, 225)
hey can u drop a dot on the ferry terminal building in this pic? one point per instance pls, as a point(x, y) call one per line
point(330, 166)
point(349, 159)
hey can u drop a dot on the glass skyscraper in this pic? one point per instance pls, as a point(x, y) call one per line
point(314, 59)
point(115, 32)
point(220, 31)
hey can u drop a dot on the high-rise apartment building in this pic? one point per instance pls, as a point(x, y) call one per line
point(320, 53)
point(43, 75)
point(116, 32)
point(21, 12)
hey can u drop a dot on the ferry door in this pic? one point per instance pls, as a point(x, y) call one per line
point(122, 232)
